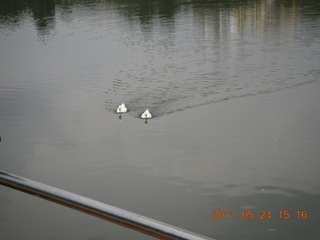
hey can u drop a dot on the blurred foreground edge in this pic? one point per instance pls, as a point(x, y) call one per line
point(107, 212)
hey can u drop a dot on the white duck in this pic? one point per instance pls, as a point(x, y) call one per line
point(122, 108)
point(146, 114)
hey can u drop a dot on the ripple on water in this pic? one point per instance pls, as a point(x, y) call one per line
point(165, 73)
point(170, 94)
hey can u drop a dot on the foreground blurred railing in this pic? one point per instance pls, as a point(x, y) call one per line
point(116, 215)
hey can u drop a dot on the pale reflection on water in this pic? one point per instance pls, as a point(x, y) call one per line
point(234, 91)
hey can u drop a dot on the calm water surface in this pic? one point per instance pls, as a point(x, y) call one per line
point(234, 90)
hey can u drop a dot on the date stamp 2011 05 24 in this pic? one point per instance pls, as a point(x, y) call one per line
point(263, 214)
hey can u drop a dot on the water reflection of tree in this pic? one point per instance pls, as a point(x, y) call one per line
point(43, 11)
point(11, 8)
point(147, 9)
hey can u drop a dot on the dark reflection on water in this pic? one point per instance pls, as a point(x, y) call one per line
point(233, 49)
point(65, 66)
point(43, 12)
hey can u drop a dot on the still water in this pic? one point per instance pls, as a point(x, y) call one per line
point(234, 90)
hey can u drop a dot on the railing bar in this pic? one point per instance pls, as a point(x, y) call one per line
point(107, 212)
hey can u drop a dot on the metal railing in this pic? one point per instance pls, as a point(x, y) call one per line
point(107, 212)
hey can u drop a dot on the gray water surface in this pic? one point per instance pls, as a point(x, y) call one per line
point(234, 90)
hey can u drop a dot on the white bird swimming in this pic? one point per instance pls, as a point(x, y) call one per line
point(122, 108)
point(146, 114)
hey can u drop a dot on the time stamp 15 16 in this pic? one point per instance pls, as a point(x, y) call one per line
point(263, 214)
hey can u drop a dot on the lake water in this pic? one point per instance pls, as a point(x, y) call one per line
point(234, 90)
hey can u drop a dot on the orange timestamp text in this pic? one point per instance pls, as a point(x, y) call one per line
point(263, 214)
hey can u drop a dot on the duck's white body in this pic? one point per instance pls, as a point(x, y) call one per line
point(122, 108)
point(146, 114)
